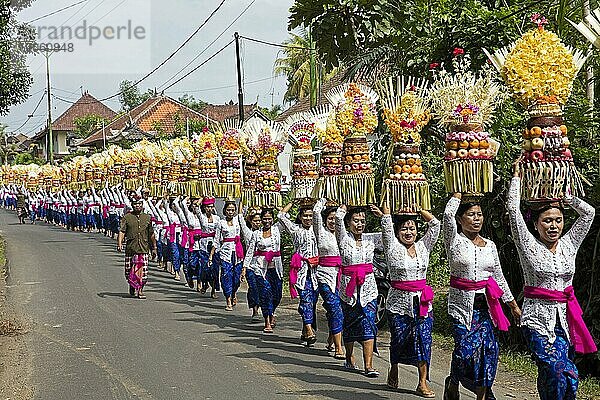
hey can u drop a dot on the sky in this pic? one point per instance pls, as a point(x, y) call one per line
point(103, 42)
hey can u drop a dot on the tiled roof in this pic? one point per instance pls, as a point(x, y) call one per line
point(222, 112)
point(304, 104)
point(160, 111)
point(86, 105)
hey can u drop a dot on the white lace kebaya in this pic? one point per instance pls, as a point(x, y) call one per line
point(258, 264)
point(353, 254)
point(403, 267)
point(326, 245)
point(224, 231)
point(305, 244)
point(544, 269)
point(469, 261)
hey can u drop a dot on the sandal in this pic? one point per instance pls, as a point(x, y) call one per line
point(268, 330)
point(339, 356)
point(392, 383)
point(371, 373)
point(228, 308)
point(350, 367)
point(311, 340)
point(141, 296)
point(235, 300)
point(330, 347)
point(425, 392)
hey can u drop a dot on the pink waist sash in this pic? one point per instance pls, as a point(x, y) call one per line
point(417, 286)
point(295, 267)
point(192, 233)
point(239, 249)
point(357, 274)
point(171, 231)
point(205, 235)
point(268, 255)
point(184, 236)
point(105, 212)
point(330, 261)
point(492, 292)
point(580, 335)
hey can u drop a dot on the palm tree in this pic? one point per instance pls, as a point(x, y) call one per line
point(295, 65)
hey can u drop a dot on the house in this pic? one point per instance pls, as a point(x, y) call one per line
point(64, 128)
point(159, 115)
point(230, 112)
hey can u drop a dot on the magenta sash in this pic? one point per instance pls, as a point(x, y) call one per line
point(357, 274)
point(492, 292)
point(191, 237)
point(295, 267)
point(205, 235)
point(184, 236)
point(171, 231)
point(330, 261)
point(417, 286)
point(580, 335)
point(104, 212)
point(268, 255)
point(239, 249)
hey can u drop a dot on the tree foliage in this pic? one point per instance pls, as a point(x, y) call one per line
point(88, 124)
point(193, 103)
point(295, 66)
point(15, 38)
point(130, 95)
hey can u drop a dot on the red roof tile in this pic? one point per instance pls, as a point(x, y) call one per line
point(86, 105)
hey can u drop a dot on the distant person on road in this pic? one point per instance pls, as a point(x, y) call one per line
point(136, 229)
point(21, 206)
point(552, 320)
point(477, 285)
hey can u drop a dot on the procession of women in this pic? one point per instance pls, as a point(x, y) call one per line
point(331, 198)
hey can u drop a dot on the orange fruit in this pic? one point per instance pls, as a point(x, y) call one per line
point(410, 161)
point(406, 168)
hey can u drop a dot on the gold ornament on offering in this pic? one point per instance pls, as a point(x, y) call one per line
point(304, 165)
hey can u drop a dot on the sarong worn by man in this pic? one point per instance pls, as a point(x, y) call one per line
point(136, 228)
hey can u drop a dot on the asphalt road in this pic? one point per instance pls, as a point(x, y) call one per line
point(89, 339)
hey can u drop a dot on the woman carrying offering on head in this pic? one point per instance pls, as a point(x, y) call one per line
point(552, 318)
point(251, 223)
point(409, 301)
point(263, 258)
point(477, 284)
point(358, 289)
point(327, 274)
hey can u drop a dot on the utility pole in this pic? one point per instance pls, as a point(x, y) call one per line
point(313, 70)
point(239, 76)
point(50, 146)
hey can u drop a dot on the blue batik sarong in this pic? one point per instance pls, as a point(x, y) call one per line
point(475, 356)
point(208, 272)
point(230, 276)
point(410, 341)
point(359, 322)
point(307, 308)
point(333, 308)
point(174, 256)
point(270, 288)
point(185, 261)
point(558, 377)
point(159, 251)
point(252, 295)
point(195, 264)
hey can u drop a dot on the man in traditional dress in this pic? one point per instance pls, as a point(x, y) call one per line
point(136, 228)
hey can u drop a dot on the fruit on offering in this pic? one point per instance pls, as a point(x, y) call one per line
point(355, 156)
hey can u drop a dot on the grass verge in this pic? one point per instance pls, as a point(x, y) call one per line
point(8, 327)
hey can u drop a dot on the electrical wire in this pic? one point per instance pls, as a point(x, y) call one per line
point(285, 46)
point(56, 12)
point(211, 43)
point(200, 65)
point(224, 87)
point(32, 113)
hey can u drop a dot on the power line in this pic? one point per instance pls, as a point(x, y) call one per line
point(32, 113)
point(56, 12)
point(223, 87)
point(200, 65)
point(285, 46)
point(179, 48)
point(211, 43)
point(110, 11)
point(78, 21)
